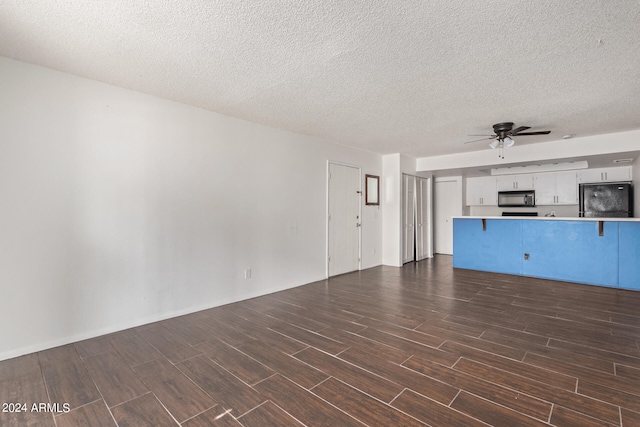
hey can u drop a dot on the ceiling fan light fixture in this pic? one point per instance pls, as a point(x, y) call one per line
point(503, 132)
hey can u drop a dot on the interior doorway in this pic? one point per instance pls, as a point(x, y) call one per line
point(344, 203)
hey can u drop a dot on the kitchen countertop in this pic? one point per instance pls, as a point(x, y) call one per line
point(550, 218)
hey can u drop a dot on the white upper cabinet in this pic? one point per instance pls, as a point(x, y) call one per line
point(559, 188)
point(545, 186)
point(567, 188)
point(482, 191)
point(515, 182)
point(552, 188)
point(622, 173)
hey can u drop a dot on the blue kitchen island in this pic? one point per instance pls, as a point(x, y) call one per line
point(595, 251)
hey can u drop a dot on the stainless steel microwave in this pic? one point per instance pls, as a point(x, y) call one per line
point(517, 199)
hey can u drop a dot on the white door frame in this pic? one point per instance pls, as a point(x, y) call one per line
point(326, 215)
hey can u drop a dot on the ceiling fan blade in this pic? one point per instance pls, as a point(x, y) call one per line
point(481, 139)
point(542, 132)
point(519, 129)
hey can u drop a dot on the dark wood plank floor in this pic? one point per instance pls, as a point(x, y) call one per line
point(419, 345)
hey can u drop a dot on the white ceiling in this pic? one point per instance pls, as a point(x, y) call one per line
point(415, 77)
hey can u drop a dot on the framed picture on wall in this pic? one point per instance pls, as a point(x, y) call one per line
point(372, 189)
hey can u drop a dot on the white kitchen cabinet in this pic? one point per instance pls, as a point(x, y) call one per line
point(482, 191)
point(622, 173)
point(566, 188)
point(545, 186)
point(515, 182)
point(560, 188)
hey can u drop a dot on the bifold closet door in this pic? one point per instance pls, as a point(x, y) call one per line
point(408, 218)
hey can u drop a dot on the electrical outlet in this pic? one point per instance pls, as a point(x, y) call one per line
point(247, 274)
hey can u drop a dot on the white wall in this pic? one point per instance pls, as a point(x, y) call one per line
point(118, 208)
point(391, 186)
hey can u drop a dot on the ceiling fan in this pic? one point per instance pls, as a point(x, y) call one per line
point(503, 133)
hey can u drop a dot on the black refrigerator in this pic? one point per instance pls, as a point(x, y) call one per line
point(606, 200)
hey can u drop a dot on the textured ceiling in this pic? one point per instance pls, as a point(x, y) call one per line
point(388, 76)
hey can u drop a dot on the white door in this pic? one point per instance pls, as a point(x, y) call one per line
point(424, 218)
point(343, 219)
point(445, 207)
point(408, 218)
